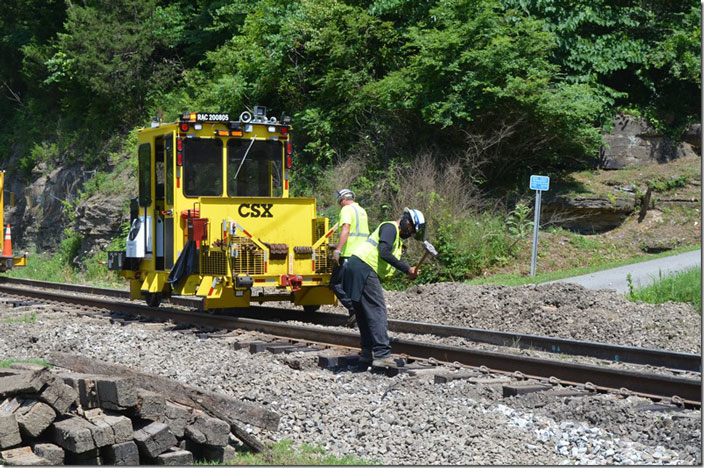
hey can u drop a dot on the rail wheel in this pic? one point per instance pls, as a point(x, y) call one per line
point(311, 308)
point(153, 299)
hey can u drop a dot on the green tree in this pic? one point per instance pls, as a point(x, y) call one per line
point(643, 53)
point(310, 58)
point(24, 25)
point(483, 75)
point(109, 61)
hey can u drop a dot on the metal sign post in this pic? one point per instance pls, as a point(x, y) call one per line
point(539, 184)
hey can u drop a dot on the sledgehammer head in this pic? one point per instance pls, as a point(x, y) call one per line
point(430, 249)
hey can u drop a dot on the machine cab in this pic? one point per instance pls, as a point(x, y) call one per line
point(213, 207)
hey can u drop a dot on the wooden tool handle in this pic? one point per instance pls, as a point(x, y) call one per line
point(421, 259)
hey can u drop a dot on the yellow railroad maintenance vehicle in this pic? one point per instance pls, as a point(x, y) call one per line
point(7, 260)
point(214, 219)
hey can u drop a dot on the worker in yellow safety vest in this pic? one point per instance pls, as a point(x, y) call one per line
point(372, 262)
point(354, 229)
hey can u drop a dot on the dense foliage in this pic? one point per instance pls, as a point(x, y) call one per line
point(499, 88)
point(484, 81)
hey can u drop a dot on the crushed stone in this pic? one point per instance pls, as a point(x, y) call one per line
point(403, 420)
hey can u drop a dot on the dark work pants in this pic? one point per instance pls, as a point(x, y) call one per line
point(371, 318)
point(336, 286)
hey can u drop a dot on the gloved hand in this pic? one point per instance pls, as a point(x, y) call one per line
point(336, 257)
point(351, 321)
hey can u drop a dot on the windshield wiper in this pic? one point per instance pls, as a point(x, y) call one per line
point(244, 157)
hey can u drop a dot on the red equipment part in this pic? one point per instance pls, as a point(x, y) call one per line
point(294, 281)
point(198, 229)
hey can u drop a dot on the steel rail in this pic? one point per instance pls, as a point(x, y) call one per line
point(617, 353)
point(611, 352)
point(647, 384)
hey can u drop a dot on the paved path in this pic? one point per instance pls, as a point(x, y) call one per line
point(642, 273)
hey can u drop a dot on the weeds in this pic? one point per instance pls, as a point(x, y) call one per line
point(659, 185)
point(685, 286)
point(518, 221)
point(584, 242)
point(284, 453)
point(612, 199)
point(9, 362)
point(629, 281)
point(27, 318)
point(468, 235)
point(63, 266)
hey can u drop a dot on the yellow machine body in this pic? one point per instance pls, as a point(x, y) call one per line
point(214, 219)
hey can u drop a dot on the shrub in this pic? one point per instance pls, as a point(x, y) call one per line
point(659, 185)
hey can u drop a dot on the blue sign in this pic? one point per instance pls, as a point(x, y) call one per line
point(539, 182)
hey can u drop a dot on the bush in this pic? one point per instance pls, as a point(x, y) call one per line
point(669, 184)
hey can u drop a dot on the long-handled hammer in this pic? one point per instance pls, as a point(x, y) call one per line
point(429, 250)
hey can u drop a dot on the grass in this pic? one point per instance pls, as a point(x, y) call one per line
point(676, 175)
point(516, 279)
point(27, 318)
point(31, 361)
point(43, 267)
point(685, 286)
point(55, 268)
point(284, 453)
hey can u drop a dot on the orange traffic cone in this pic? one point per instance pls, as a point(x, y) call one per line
point(7, 246)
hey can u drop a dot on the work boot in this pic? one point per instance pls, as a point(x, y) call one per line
point(365, 355)
point(388, 362)
point(365, 358)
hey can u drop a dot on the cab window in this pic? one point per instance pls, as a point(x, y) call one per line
point(254, 168)
point(144, 156)
point(202, 167)
point(169, 156)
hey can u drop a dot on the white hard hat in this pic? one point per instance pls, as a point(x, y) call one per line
point(418, 221)
point(344, 194)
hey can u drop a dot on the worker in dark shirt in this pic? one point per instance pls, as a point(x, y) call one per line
point(372, 262)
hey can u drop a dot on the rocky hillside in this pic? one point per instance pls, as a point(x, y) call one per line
point(632, 161)
point(91, 204)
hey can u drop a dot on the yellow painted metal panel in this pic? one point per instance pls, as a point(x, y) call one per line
point(190, 286)
point(267, 230)
point(314, 296)
point(206, 283)
point(154, 282)
point(135, 289)
point(228, 299)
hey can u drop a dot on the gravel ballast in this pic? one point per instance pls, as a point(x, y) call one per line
point(408, 419)
point(559, 310)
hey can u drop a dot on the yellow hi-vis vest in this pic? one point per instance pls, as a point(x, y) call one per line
point(368, 252)
point(356, 217)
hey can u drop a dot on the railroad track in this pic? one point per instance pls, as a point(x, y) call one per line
point(617, 353)
point(679, 390)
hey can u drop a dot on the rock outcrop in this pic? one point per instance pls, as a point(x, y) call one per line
point(588, 215)
point(52, 202)
point(634, 142)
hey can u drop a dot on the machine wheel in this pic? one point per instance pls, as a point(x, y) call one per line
point(153, 299)
point(311, 308)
